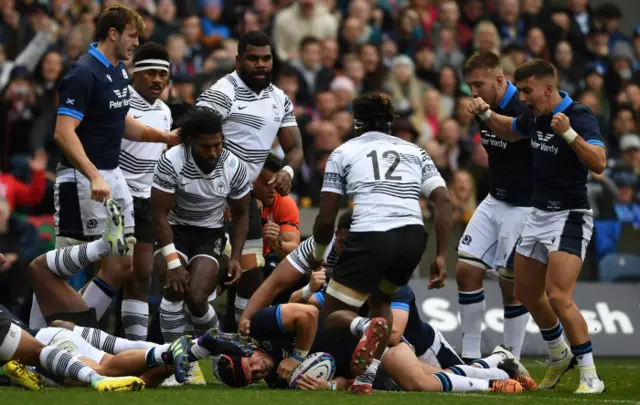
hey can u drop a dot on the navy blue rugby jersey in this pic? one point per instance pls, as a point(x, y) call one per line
point(417, 332)
point(510, 163)
point(97, 94)
point(560, 178)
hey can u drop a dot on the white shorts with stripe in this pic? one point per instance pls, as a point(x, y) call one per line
point(492, 233)
point(564, 231)
point(71, 342)
point(77, 215)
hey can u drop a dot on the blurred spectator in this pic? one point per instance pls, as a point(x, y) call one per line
point(447, 52)
point(427, 120)
point(303, 18)
point(312, 76)
point(374, 70)
point(195, 52)
point(212, 10)
point(581, 14)
point(463, 196)
point(449, 18)
point(594, 81)
point(449, 86)
point(509, 21)
point(404, 87)
point(165, 24)
point(537, 44)
point(609, 15)
point(408, 31)
point(568, 71)
point(485, 38)
point(344, 90)
point(456, 149)
point(623, 121)
point(354, 70)
point(330, 53)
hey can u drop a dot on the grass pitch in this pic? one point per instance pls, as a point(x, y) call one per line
point(622, 378)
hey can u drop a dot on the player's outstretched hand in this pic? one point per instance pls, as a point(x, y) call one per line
point(100, 190)
point(178, 279)
point(286, 368)
point(309, 383)
point(234, 271)
point(244, 326)
point(560, 123)
point(478, 106)
point(173, 138)
point(282, 182)
point(438, 272)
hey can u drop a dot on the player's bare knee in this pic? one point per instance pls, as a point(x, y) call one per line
point(197, 299)
point(172, 295)
point(38, 270)
point(469, 276)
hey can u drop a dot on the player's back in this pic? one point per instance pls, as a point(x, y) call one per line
point(383, 175)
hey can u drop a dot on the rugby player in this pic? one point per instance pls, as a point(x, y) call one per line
point(191, 186)
point(60, 302)
point(384, 176)
point(91, 122)
point(16, 343)
point(138, 161)
point(286, 329)
point(490, 237)
point(566, 144)
point(253, 113)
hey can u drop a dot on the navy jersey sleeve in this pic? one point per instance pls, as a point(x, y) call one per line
point(266, 324)
point(586, 125)
point(402, 298)
point(75, 92)
point(524, 125)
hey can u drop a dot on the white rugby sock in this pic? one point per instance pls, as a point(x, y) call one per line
point(516, 318)
point(204, 323)
point(63, 365)
point(109, 343)
point(490, 361)
point(36, 320)
point(68, 261)
point(153, 356)
point(472, 309)
point(359, 325)
point(456, 383)
point(98, 295)
point(172, 319)
point(480, 373)
point(135, 319)
point(240, 304)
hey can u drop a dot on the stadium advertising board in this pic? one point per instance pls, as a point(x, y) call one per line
point(612, 312)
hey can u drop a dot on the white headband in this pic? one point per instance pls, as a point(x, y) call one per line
point(148, 64)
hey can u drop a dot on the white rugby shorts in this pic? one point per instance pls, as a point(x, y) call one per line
point(492, 233)
point(73, 343)
point(77, 215)
point(560, 231)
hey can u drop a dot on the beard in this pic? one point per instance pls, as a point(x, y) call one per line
point(255, 84)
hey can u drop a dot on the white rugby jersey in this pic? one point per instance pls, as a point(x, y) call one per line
point(200, 198)
point(250, 121)
point(384, 176)
point(298, 257)
point(138, 159)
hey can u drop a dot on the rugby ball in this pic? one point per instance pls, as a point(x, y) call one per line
point(318, 365)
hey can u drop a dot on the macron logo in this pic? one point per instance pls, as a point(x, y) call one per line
point(121, 93)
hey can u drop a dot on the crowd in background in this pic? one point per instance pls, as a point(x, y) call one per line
point(327, 52)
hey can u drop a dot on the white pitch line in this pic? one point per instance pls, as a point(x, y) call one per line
point(586, 399)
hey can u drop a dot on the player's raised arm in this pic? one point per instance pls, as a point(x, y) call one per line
point(435, 189)
point(75, 94)
point(303, 320)
point(583, 135)
point(508, 128)
point(333, 188)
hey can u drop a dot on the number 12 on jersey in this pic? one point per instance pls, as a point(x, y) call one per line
point(385, 155)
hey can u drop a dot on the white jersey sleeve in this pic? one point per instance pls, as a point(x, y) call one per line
point(165, 178)
point(334, 175)
point(289, 118)
point(239, 178)
point(298, 257)
point(219, 98)
point(431, 178)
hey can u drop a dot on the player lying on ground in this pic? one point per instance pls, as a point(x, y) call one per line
point(60, 302)
point(19, 347)
point(107, 355)
point(286, 329)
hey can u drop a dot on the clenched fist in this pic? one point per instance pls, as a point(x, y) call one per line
point(560, 123)
point(478, 106)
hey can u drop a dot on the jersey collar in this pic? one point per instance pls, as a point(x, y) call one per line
point(141, 99)
point(236, 76)
point(511, 90)
point(564, 104)
point(93, 51)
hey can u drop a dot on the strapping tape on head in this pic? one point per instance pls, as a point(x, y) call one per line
point(151, 64)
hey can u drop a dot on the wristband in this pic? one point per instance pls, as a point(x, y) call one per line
point(300, 354)
point(288, 170)
point(297, 358)
point(485, 115)
point(306, 292)
point(318, 251)
point(171, 256)
point(570, 135)
point(332, 386)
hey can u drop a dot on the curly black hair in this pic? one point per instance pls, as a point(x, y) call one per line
point(150, 50)
point(273, 163)
point(373, 112)
point(197, 122)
